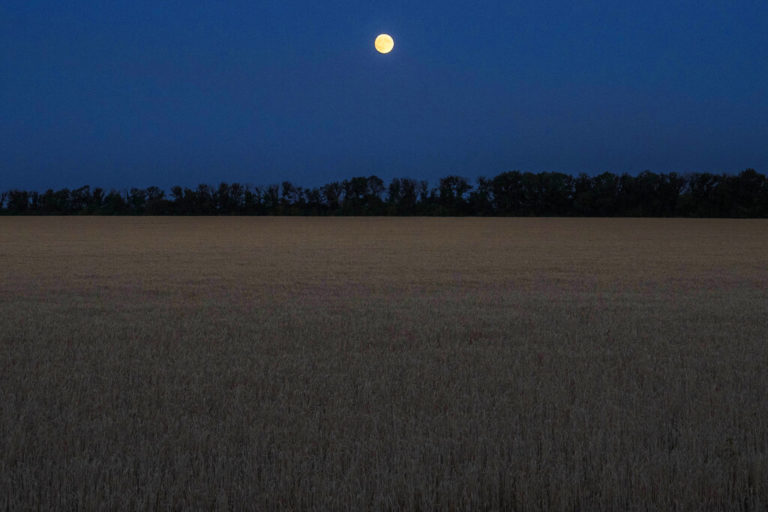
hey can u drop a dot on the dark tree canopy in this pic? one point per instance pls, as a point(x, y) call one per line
point(512, 193)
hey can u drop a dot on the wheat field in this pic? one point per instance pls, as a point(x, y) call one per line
point(383, 364)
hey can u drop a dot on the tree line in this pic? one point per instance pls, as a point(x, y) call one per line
point(513, 193)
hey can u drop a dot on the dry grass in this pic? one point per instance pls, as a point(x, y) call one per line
point(424, 364)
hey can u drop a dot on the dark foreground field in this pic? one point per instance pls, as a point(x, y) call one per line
point(344, 363)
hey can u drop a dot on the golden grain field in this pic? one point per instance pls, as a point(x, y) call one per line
point(383, 364)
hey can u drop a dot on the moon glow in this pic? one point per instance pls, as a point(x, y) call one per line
point(384, 43)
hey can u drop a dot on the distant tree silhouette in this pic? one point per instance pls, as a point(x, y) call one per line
point(507, 193)
point(453, 196)
point(155, 202)
point(114, 204)
point(252, 201)
point(272, 200)
point(18, 201)
point(403, 195)
point(332, 194)
point(749, 192)
point(362, 196)
point(80, 199)
point(481, 198)
point(96, 201)
point(549, 193)
point(314, 202)
point(647, 194)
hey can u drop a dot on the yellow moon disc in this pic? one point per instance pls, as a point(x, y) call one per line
point(384, 43)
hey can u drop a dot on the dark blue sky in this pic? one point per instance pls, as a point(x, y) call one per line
point(133, 93)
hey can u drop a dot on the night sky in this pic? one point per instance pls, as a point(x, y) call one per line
point(136, 93)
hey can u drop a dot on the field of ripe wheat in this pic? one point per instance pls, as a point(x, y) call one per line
point(370, 363)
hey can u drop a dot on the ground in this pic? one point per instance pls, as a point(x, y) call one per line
point(383, 363)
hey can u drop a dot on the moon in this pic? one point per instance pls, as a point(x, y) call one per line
point(384, 43)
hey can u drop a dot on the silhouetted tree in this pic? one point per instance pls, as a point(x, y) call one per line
point(702, 197)
point(137, 200)
point(252, 201)
point(649, 194)
point(96, 201)
point(80, 199)
point(292, 199)
point(748, 193)
point(452, 198)
point(204, 200)
point(605, 192)
point(332, 193)
point(509, 193)
point(394, 192)
point(182, 204)
point(156, 204)
point(272, 200)
point(547, 193)
point(314, 202)
point(114, 204)
point(228, 199)
point(18, 201)
point(481, 198)
point(403, 196)
point(362, 196)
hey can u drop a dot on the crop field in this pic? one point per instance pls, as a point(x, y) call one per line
point(383, 364)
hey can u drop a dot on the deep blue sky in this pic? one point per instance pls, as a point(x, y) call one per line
point(133, 93)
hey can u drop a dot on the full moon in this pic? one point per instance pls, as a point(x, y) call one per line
point(384, 43)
